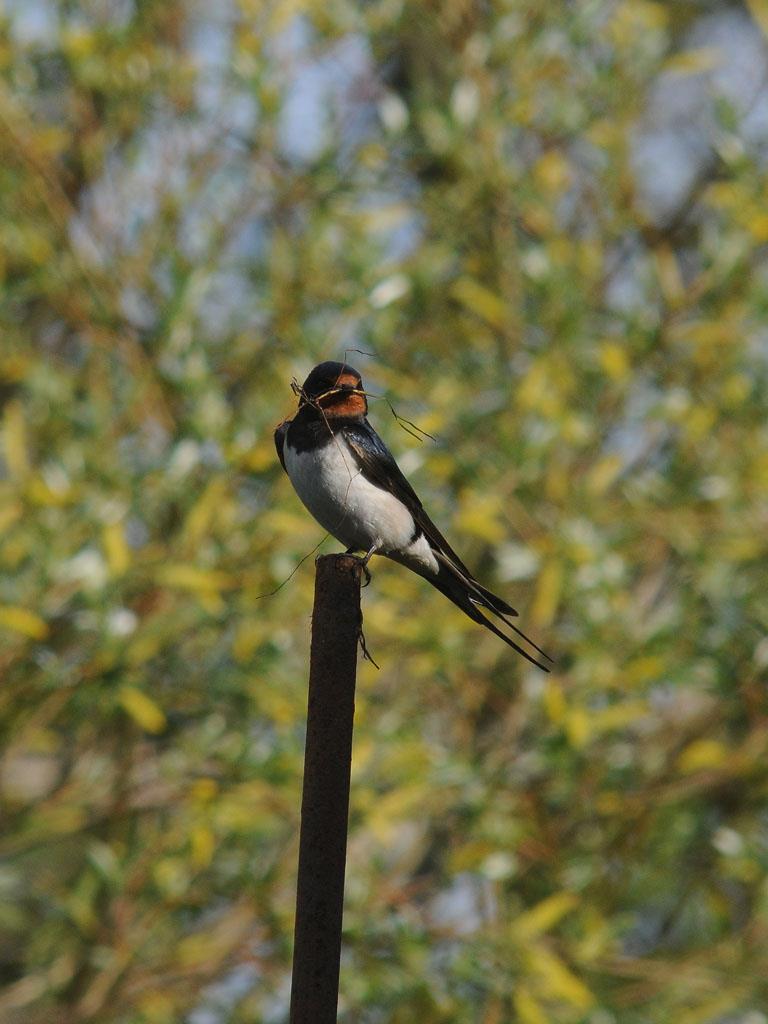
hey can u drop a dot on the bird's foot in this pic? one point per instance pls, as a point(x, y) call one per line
point(363, 559)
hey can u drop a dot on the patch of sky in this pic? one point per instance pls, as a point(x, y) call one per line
point(464, 905)
point(680, 134)
point(31, 22)
point(221, 998)
point(323, 90)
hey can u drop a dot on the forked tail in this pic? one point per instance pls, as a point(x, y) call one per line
point(467, 594)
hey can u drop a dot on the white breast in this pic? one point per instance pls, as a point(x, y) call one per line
point(357, 512)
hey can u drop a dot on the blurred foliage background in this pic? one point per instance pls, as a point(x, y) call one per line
point(544, 226)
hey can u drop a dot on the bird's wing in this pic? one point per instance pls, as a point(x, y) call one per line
point(454, 579)
point(280, 431)
point(377, 464)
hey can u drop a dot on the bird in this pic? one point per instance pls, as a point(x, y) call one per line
point(351, 484)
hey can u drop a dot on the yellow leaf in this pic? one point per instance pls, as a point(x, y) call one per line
point(479, 516)
point(39, 492)
point(82, 911)
point(234, 809)
point(758, 226)
point(609, 803)
point(50, 142)
point(603, 132)
point(618, 716)
point(544, 915)
point(279, 706)
point(203, 844)
point(13, 366)
point(37, 244)
point(9, 514)
point(534, 391)
point(385, 818)
point(262, 456)
point(142, 709)
point(552, 171)
point(280, 14)
point(157, 1007)
point(248, 635)
point(702, 754)
point(719, 1007)
point(631, 18)
point(603, 473)
point(554, 702)
point(759, 11)
point(547, 594)
point(646, 667)
point(470, 855)
point(614, 360)
point(22, 620)
point(742, 548)
point(63, 820)
point(699, 422)
point(527, 1009)
point(578, 728)
point(546, 387)
point(171, 875)
point(555, 980)
point(205, 511)
point(212, 602)
point(480, 300)
point(189, 577)
point(15, 439)
point(736, 388)
point(694, 62)
point(724, 195)
point(116, 549)
point(204, 790)
point(142, 649)
point(670, 278)
point(704, 333)
point(78, 42)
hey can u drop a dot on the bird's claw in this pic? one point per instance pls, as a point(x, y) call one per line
point(363, 560)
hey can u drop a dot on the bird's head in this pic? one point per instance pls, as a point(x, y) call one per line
point(334, 388)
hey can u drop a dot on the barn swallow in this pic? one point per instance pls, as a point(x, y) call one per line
point(348, 479)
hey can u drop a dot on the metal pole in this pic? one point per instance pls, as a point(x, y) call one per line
point(336, 621)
